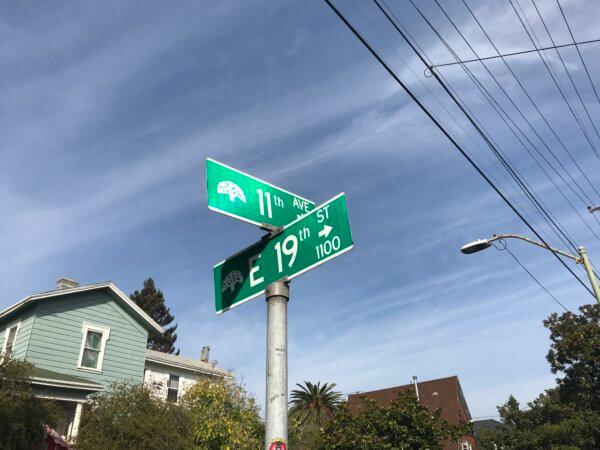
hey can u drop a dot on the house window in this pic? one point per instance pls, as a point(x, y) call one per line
point(9, 339)
point(173, 388)
point(92, 347)
point(466, 446)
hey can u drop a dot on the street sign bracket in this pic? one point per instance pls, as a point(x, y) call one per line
point(268, 291)
point(272, 230)
point(298, 249)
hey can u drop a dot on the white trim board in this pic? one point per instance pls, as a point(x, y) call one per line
point(313, 211)
point(185, 367)
point(9, 327)
point(64, 384)
point(289, 278)
point(105, 332)
point(259, 180)
point(300, 272)
point(62, 399)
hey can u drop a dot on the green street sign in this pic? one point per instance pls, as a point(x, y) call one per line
point(305, 243)
point(237, 194)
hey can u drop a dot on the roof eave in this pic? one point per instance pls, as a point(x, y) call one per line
point(136, 308)
point(64, 384)
point(89, 287)
point(207, 371)
point(462, 399)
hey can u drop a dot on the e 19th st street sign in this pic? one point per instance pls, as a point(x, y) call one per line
point(307, 242)
point(237, 194)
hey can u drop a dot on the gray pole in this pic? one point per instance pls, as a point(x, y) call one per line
point(590, 272)
point(276, 405)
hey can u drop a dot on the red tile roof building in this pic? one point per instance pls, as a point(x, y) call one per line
point(444, 394)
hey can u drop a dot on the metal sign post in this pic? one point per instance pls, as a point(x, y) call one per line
point(301, 237)
point(276, 406)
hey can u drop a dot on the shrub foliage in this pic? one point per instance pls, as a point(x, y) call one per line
point(130, 417)
point(22, 416)
point(223, 416)
point(568, 416)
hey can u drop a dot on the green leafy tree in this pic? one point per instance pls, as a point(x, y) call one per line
point(575, 352)
point(22, 415)
point(152, 301)
point(223, 416)
point(130, 417)
point(568, 416)
point(404, 424)
point(547, 423)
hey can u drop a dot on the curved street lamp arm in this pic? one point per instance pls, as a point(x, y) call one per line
point(498, 237)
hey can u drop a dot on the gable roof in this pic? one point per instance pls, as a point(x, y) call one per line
point(487, 424)
point(109, 286)
point(181, 362)
point(443, 393)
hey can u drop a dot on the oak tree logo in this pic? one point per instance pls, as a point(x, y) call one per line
point(234, 277)
point(232, 190)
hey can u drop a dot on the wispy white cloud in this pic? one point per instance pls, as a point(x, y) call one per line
point(106, 120)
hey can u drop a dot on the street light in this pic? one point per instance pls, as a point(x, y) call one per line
point(482, 244)
point(476, 246)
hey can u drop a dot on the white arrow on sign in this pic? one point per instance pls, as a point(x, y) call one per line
point(325, 231)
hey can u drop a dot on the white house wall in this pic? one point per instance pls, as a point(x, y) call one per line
point(157, 376)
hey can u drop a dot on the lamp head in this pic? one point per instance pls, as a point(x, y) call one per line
point(475, 246)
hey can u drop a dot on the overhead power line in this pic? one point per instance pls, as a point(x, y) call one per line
point(529, 123)
point(538, 203)
point(543, 209)
point(587, 72)
point(535, 279)
point(538, 110)
point(578, 51)
point(549, 69)
point(546, 215)
point(587, 113)
point(497, 107)
point(450, 114)
point(409, 92)
point(492, 162)
point(522, 52)
point(499, 162)
point(506, 118)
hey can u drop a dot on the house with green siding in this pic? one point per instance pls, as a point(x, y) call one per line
point(80, 339)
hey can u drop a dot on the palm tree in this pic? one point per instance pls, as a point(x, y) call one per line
point(313, 403)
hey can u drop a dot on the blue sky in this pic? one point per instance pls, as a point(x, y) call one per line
point(109, 110)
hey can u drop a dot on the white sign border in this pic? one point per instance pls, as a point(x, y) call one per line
point(235, 216)
point(290, 277)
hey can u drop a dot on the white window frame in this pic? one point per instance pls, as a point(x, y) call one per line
point(169, 386)
point(105, 331)
point(6, 331)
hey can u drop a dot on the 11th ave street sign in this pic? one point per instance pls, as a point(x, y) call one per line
point(307, 242)
point(237, 194)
